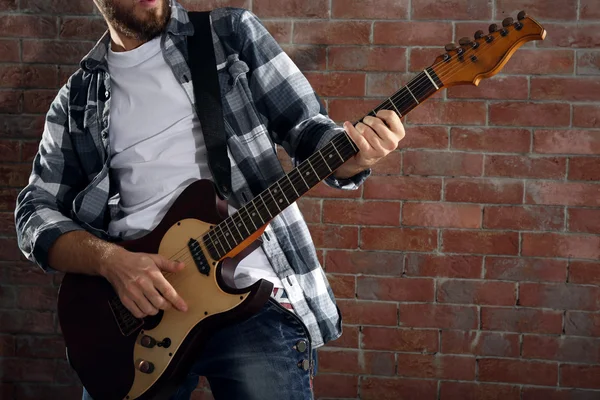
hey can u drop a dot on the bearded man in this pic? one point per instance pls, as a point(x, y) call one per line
point(123, 139)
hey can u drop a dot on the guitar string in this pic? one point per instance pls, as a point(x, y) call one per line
point(447, 72)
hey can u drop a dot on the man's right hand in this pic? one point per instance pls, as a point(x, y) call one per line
point(139, 281)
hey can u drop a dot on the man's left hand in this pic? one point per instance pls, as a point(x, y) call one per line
point(375, 138)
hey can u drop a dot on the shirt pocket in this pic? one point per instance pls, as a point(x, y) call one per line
point(90, 204)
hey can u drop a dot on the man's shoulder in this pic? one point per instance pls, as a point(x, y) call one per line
point(228, 19)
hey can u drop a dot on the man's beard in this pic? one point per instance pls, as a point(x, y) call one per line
point(124, 19)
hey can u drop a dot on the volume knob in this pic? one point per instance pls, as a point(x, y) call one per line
point(148, 341)
point(145, 367)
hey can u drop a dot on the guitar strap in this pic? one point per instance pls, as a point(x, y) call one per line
point(203, 65)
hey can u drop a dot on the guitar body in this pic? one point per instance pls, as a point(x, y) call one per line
point(104, 342)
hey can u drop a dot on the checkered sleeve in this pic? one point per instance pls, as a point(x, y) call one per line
point(42, 206)
point(283, 95)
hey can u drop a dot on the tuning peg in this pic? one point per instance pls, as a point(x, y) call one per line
point(522, 15)
point(479, 34)
point(493, 28)
point(464, 41)
point(450, 46)
point(507, 22)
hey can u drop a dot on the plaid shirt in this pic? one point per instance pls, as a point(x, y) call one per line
point(266, 101)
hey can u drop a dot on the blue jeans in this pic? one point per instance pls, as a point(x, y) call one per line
point(257, 359)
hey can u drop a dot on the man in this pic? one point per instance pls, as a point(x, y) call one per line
point(122, 140)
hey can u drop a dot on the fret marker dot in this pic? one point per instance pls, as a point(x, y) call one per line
point(281, 201)
point(253, 214)
point(308, 173)
point(331, 155)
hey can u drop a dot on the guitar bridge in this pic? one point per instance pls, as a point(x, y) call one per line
point(198, 257)
point(127, 323)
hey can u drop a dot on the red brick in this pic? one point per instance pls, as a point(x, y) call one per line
point(491, 139)
point(10, 50)
point(405, 340)
point(57, 6)
point(82, 28)
point(584, 272)
point(480, 242)
point(584, 220)
point(584, 168)
point(539, 9)
point(7, 223)
point(580, 376)
point(563, 296)
point(280, 30)
point(27, 370)
point(524, 218)
point(48, 392)
point(345, 386)
point(455, 9)
point(574, 36)
point(64, 374)
point(563, 194)
point(308, 58)
point(368, 312)
point(582, 324)
point(37, 298)
point(8, 296)
point(10, 101)
point(521, 320)
point(351, 110)
point(9, 5)
point(7, 346)
point(478, 391)
point(311, 209)
point(370, 263)
point(8, 247)
point(586, 116)
point(337, 84)
point(449, 113)
point(412, 33)
point(372, 388)
point(540, 61)
point(576, 141)
point(439, 316)
point(17, 273)
point(476, 292)
point(517, 371)
point(389, 165)
point(355, 362)
point(590, 9)
point(498, 88)
point(9, 149)
point(370, 9)
point(349, 338)
point(442, 163)
point(525, 269)
point(194, 5)
point(525, 166)
point(367, 59)
point(338, 237)
point(395, 289)
point(14, 76)
point(562, 348)
point(566, 89)
point(480, 343)
point(351, 212)
point(291, 8)
point(425, 137)
point(334, 32)
point(398, 239)
point(8, 198)
point(441, 215)
point(443, 266)
point(343, 286)
point(530, 114)
point(403, 188)
point(54, 51)
point(557, 245)
point(40, 346)
point(37, 101)
point(421, 58)
point(484, 191)
point(535, 393)
point(27, 26)
point(436, 366)
point(15, 175)
point(588, 63)
point(324, 191)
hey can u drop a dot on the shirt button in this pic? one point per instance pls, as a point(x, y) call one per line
point(301, 346)
point(106, 94)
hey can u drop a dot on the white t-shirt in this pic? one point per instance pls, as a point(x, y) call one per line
point(157, 148)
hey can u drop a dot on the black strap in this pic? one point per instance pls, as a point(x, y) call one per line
point(203, 64)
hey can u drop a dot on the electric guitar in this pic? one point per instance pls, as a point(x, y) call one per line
point(118, 356)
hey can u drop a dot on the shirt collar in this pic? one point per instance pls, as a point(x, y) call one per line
point(178, 25)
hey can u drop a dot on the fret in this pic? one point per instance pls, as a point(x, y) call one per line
point(237, 226)
point(338, 153)
point(274, 199)
point(432, 81)
point(328, 167)
point(283, 193)
point(249, 216)
point(216, 235)
point(263, 201)
point(227, 234)
point(292, 184)
point(396, 108)
point(411, 93)
point(313, 168)
point(300, 174)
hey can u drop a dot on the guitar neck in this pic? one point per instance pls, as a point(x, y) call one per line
point(234, 230)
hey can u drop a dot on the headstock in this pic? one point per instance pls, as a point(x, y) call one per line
point(485, 56)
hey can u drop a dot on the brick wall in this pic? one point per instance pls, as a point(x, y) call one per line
point(467, 267)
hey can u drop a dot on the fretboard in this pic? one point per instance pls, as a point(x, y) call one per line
point(234, 230)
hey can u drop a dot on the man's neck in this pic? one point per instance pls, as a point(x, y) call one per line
point(120, 42)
